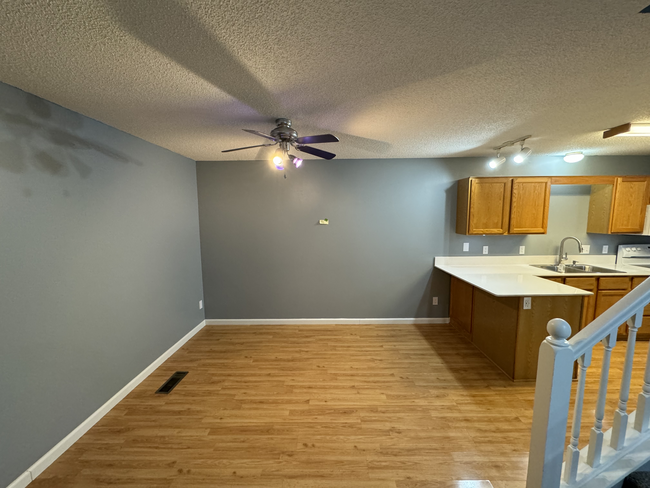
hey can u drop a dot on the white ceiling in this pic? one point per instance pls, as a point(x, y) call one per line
point(392, 79)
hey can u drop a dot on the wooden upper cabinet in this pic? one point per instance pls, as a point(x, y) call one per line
point(483, 206)
point(529, 205)
point(619, 208)
point(629, 205)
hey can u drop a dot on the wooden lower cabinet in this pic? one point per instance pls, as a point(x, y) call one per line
point(510, 336)
point(610, 291)
point(588, 302)
point(460, 306)
point(644, 331)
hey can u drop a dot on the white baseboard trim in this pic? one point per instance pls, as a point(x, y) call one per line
point(39, 466)
point(22, 481)
point(419, 320)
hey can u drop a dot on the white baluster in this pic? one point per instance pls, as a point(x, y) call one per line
point(620, 416)
point(643, 405)
point(572, 451)
point(596, 436)
point(551, 409)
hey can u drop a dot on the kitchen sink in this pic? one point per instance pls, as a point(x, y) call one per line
point(575, 268)
point(588, 268)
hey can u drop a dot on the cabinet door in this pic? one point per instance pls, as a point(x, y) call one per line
point(588, 302)
point(636, 281)
point(489, 205)
point(607, 298)
point(529, 205)
point(629, 204)
point(460, 305)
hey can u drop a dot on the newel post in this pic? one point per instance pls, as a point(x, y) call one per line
point(551, 410)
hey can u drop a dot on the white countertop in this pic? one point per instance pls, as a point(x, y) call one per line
point(512, 276)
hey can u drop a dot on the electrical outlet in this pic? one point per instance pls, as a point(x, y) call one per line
point(465, 246)
point(434, 301)
point(585, 249)
point(522, 249)
point(485, 249)
point(528, 303)
point(200, 304)
point(605, 249)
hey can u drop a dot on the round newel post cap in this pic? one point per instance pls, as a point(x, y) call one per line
point(560, 331)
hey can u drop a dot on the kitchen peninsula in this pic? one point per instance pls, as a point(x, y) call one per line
point(502, 304)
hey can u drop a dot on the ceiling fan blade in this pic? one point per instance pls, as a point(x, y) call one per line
point(316, 152)
point(247, 147)
point(317, 139)
point(258, 133)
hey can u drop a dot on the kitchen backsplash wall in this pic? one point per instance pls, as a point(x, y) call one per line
point(265, 256)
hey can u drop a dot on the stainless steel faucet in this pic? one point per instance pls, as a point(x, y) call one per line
point(562, 256)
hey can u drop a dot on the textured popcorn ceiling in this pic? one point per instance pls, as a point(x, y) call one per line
point(407, 78)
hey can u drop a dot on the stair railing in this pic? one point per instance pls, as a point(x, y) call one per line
point(557, 356)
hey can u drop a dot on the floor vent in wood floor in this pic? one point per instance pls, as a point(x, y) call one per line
point(171, 383)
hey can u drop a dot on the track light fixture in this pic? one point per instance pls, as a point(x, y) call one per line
point(519, 158)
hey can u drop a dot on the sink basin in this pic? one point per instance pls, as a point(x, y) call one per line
point(588, 268)
point(576, 268)
point(549, 267)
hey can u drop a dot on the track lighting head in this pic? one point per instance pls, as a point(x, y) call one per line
point(498, 161)
point(521, 156)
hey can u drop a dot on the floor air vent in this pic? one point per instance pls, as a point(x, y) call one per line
point(171, 383)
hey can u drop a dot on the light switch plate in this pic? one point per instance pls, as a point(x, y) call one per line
point(522, 249)
point(528, 302)
point(585, 249)
point(605, 249)
point(485, 249)
point(465, 246)
point(200, 304)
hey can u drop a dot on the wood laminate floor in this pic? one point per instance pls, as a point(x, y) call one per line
point(364, 406)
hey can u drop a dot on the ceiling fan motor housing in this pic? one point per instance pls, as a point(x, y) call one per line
point(283, 131)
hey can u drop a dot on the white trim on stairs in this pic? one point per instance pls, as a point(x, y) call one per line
point(39, 466)
point(418, 320)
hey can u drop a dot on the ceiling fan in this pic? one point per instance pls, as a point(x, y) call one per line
point(286, 137)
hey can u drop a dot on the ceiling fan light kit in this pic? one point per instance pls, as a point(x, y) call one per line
point(287, 137)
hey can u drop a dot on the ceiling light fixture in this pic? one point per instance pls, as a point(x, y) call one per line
point(295, 160)
point(278, 159)
point(523, 153)
point(574, 157)
point(519, 158)
point(629, 130)
point(498, 161)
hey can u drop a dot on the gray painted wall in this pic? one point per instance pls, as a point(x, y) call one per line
point(264, 256)
point(100, 268)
